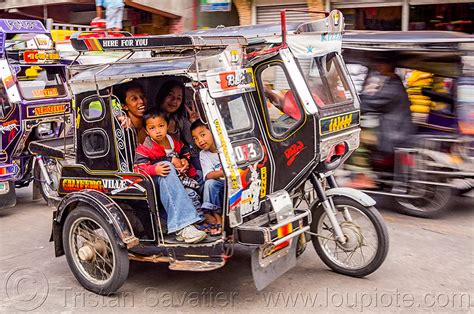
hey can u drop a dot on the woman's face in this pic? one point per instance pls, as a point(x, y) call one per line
point(173, 100)
point(135, 102)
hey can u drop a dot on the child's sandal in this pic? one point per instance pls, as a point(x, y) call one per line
point(204, 227)
point(216, 229)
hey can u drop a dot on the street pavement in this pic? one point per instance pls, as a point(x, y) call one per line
point(429, 268)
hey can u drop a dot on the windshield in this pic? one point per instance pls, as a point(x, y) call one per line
point(28, 41)
point(325, 80)
point(41, 82)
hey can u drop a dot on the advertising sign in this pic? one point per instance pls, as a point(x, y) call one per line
point(215, 5)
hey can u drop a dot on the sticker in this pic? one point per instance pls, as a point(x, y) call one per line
point(37, 111)
point(230, 82)
point(339, 123)
point(225, 151)
point(46, 92)
point(9, 81)
point(293, 151)
point(20, 25)
point(9, 126)
point(251, 195)
point(111, 186)
point(247, 151)
point(33, 56)
point(234, 79)
point(263, 184)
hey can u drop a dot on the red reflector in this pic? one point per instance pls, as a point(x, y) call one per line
point(285, 230)
point(340, 149)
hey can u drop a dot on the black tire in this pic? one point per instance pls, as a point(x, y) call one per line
point(374, 219)
point(87, 218)
point(434, 201)
point(49, 193)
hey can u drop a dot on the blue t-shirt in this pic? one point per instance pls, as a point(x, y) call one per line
point(109, 3)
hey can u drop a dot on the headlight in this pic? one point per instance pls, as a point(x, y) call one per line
point(44, 130)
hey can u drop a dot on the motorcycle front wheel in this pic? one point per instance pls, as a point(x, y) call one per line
point(367, 241)
point(49, 192)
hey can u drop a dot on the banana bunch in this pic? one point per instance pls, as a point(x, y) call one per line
point(415, 82)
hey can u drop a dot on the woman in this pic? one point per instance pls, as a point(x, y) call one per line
point(170, 99)
point(134, 102)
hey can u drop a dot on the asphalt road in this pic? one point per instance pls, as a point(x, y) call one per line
point(429, 268)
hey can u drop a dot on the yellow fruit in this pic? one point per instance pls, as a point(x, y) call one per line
point(420, 108)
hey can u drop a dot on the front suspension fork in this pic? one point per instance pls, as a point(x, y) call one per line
point(328, 205)
point(44, 171)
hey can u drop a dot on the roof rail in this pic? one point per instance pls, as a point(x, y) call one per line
point(125, 41)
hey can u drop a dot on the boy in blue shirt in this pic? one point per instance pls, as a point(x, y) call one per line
point(213, 175)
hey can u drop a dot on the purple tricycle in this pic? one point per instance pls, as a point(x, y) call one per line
point(35, 110)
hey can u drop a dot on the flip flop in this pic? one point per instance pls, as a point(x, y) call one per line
point(216, 229)
point(204, 227)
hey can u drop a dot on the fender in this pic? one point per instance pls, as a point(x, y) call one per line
point(105, 206)
point(354, 194)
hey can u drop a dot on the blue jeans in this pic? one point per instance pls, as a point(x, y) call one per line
point(179, 208)
point(213, 195)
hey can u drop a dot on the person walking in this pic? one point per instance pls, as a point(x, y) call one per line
point(113, 13)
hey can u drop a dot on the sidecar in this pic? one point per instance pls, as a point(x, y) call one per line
point(438, 164)
point(275, 135)
point(35, 106)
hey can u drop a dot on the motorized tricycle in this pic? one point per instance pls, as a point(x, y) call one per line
point(110, 214)
point(34, 107)
point(437, 69)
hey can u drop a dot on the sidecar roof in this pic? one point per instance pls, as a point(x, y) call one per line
point(403, 41)
point(115, 73)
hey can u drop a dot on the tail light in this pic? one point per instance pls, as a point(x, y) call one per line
point(336, 152)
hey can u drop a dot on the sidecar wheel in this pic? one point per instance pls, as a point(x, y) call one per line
point(366, 235)
point(94, 257)
point(48, 192)
point(433, 201)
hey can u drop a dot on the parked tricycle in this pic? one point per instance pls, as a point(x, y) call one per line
point(437, 69)
point(35, 106)
point(110, 214)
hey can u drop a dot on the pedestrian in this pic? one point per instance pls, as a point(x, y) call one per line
point(113, 13)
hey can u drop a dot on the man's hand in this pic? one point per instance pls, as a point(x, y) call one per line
point(162, 169)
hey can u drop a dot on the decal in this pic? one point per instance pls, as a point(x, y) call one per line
point(112, 186)
point(81, 184)
point(293, 151)
point(250, 199)
point(234, 200)
point(331, 37)
point(19, 25)
point(263, 184)
point(46, 92)
point(339, 123)
point(9, 81)
point(230, 82)
point(247, 151)
point(37, 111)
point(232, 79)
point(225, 151)
point(34, 56)
point(9, 126)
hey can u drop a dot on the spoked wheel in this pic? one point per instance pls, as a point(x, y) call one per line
point(48, 191)
point(366, 236)
point(93, 255)
point(432, 201)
